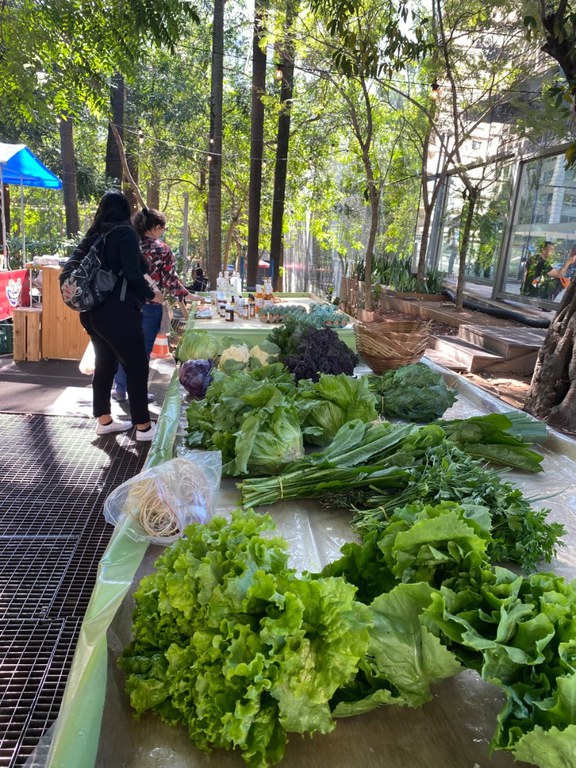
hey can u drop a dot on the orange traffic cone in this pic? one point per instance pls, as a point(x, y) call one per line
point(161, 350)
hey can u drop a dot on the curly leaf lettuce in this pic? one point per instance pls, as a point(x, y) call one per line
point(232, 644)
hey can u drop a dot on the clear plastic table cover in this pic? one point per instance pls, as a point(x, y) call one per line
point(96, 726)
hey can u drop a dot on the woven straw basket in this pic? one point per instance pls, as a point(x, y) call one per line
point(391, 344)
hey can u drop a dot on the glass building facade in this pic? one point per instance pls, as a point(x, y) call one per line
point(524, 226)
point(542, 231)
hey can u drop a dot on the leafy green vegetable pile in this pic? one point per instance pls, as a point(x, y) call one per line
point(251, 418)
point(375, 468)
point(231, 644)
point(259, 418)
point(413, 393)
point(517, 632)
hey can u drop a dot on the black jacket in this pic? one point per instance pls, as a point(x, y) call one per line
point(122, 255)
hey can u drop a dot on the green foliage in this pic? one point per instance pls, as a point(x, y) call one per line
point(233, 645)
point(252, 420)
point(396, 273)
point(413, 392)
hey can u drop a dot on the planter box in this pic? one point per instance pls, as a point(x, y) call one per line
point(415, 296)
point(364, 316)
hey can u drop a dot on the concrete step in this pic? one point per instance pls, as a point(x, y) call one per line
point(473, 358)
point(509, 342)
point(445, 360)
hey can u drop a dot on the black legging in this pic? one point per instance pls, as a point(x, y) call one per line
point(116, 332)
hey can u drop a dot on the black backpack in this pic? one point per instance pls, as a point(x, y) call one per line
point(84, 283)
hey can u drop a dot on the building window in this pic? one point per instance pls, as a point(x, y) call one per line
point(543, 231)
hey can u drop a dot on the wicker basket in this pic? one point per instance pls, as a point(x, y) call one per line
point(391, 344)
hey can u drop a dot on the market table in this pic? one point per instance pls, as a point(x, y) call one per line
point(255, 331)
point(96, 727)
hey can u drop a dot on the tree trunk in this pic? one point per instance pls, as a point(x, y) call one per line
point(69, 176)
point(131, 148)
point(421, 271)
point(286, 69)
point(113, 162)
point(256, 146)
point(125, 167)
point(231, 233)
point(374, 197)
point(552, 393)
point(215, 147)
point(153, 190)
point(463, 245)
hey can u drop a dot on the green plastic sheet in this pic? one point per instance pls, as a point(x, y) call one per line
point(75, 739)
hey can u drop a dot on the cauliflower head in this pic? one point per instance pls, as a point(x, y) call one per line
point(264, 353)
point(234, 358)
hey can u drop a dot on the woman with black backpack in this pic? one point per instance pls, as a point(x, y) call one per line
point(115, 326)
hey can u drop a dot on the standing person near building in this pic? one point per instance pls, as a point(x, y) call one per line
point(537, 268)
point(151, 226)
point(115, 327)
point(564, 273)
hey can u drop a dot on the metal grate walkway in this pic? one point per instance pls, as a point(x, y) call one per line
point(54, 477)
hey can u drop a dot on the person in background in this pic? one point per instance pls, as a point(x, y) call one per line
point(200, 282)
point(115, 327)
point(534, 283)
point(564, 274)
point(151, 226)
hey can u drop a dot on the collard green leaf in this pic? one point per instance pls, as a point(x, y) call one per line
point(402, 651)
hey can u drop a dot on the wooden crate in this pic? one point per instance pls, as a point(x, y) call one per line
point(63, 337)
point(27, 333)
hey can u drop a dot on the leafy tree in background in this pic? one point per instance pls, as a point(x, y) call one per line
point(367, 41)
point(58, 58)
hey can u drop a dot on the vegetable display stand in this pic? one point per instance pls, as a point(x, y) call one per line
point(96, 726)
point(391, 344)
point(27, 339)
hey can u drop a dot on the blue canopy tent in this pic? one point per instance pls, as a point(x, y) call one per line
point(18, 165)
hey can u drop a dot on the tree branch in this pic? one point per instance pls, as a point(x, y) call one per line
point(125, 167)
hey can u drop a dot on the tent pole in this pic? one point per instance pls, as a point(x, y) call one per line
point(4, 264)
point(22, 226)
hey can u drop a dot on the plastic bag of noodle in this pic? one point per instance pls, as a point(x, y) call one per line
point(158, 504)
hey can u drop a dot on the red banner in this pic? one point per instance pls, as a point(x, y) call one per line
point(14, 291)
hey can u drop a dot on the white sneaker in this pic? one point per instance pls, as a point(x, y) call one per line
point(148, 435)
point(114, 426)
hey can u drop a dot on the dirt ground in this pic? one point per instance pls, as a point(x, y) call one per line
point(510, 388)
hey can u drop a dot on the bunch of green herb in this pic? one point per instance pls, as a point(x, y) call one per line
point(500, 438)
point(520, 533)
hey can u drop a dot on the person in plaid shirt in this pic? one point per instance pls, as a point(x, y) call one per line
point(151, 226)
